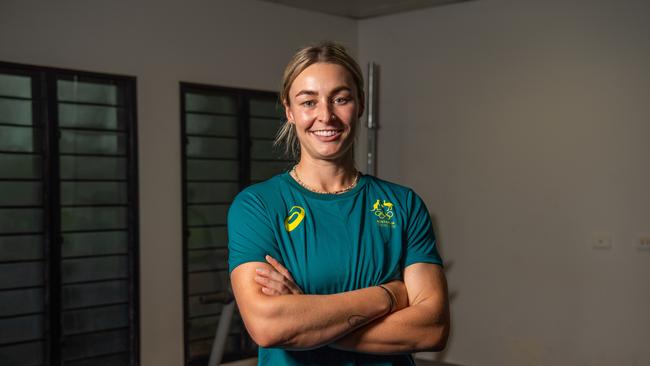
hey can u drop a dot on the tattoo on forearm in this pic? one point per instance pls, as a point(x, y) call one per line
point(356, 320)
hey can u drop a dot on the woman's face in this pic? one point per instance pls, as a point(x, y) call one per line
point(324, 106)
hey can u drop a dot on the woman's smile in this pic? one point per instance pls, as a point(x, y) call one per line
point(327, 135)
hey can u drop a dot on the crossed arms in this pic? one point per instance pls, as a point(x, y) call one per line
point(402, 317)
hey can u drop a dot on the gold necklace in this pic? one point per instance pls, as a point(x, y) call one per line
point(295, 175)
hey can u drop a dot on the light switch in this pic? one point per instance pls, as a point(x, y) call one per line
point(602, 241)
point(643, 242)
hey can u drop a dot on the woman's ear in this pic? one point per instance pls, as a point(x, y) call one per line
point(287, 110)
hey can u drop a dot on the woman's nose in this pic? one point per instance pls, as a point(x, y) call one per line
point(325, 113)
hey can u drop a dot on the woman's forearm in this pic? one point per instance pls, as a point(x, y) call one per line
point(307, 321)
point(413, 329)
point(422, 326)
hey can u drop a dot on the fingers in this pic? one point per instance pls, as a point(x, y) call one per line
point(279, 267)
point(274, 275)
point(270, 292)
point(272, 280)
point(271, 287)
point(276, 282)
point(284, 272)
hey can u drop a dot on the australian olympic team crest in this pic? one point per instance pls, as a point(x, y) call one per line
point(295, 217)
point(384, 211)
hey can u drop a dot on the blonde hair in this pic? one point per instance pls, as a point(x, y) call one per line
point(326, 52)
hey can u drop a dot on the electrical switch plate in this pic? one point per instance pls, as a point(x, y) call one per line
point(602, 241)
point(643, 242)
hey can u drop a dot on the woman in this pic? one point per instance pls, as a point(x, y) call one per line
point(330, 266)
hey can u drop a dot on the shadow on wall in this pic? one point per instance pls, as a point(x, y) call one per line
point(437, 358)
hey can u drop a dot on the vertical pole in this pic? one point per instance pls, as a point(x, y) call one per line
point(221, 335)
point(372, 119)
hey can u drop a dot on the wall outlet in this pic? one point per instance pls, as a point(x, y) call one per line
point(602, 241)
point(643, 242)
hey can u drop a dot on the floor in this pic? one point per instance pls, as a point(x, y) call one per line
point(253, 362)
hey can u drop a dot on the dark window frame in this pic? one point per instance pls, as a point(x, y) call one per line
point(45, 111)
point(244, 179)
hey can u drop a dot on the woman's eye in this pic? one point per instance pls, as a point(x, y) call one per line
point(308, 103)
point(341, 100)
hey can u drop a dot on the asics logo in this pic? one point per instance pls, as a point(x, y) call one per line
point(296, 215)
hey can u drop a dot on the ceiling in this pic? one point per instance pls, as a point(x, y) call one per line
point(361, 9)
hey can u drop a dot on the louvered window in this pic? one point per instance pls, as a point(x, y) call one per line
point(68, 218)
point(228, 144)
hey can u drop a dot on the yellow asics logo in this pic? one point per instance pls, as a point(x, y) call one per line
point(296, 214)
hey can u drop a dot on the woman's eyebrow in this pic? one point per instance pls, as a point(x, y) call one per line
point(340, 89)
point(306, 92)
point(334, 91)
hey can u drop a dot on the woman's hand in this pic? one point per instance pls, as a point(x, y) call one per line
point(278, 281)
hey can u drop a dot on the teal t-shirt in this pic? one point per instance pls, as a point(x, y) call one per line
point(331, 243)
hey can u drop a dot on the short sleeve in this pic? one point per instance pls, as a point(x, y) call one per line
point(250, 237)
point(420, 238)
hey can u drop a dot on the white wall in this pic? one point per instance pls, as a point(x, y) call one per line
point(239, 43)
point(525, 125)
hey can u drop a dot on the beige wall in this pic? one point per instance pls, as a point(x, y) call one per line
point(525, 125)
point(240, 43)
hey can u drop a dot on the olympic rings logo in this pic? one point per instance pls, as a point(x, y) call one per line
point(383, 209)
